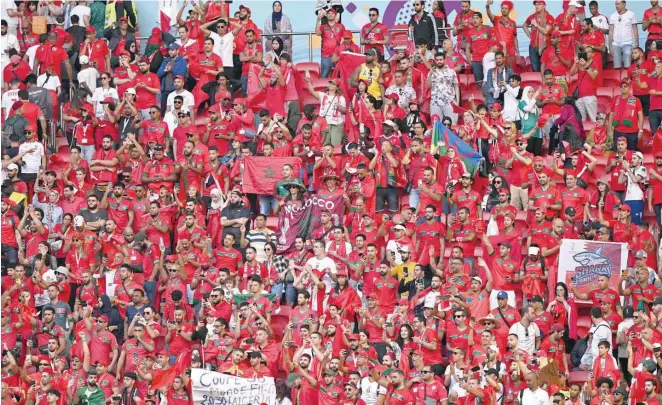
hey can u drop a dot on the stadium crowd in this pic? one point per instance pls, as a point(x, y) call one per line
point(133, 249)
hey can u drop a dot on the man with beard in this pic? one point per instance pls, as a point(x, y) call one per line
point(203, 69)
point(103, 166)
point(227, 256)
point(300, 376)
point(370, 73)
point(594, 38)
point(234, 217)
point(466, 196)
point(250, 53)
point(140, 207)
point(220, 130)
point(119, 206)
point(154, 129)
point(147, 87)
point(189, 227)
point(545, 195)
point(188, 102)
point(91, 394)
point(189, 168)
point(103, 344)
point(497, 78)
point(9, 42)
point(159, 171)
point(95, 217)
point(443, 82)
point(558, 59)
point(10, 238)
point(550, 243)
point(50, 55)
point(155, 228)
point(402, 88)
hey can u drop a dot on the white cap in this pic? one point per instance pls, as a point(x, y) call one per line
point(574, 3)
point(404, 248)
point(480, 280)
point(534, 250)
point(389, 123)
point(494, 348)
point(131, 90)
point(83, 59)
point(79, 220)
point(12, 166)
point(400, 227)
point(62, 270)
point(49, 277)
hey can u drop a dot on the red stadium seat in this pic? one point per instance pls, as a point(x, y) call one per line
point(321, 84)
point(588, 125)
point(462, 80)
point(312, 67)
point(272, 223)
point(478, 97)
point(533, 79)
point(611, 78)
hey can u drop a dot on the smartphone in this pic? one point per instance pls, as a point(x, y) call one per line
point(445, 297)
point(475, 369)
point(624, 273)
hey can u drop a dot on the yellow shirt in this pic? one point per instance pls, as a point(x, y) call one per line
point(370, 76)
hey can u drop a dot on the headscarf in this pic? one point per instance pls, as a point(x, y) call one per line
point(276, 16)
point(127, 47)
point(280, 47)
point(531, 106)
point(154, 42)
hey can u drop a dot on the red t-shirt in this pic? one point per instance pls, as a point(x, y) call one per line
point(654, 29)
point(331, 38)
point(154, 132)
point(642, 71)
point(479, 39)
point(553, 62)
point(97, 51)
point(51, 55)
point(626, 114)
point(577, 199)
point(375, 32)
point(146, 99)
point(506, 31)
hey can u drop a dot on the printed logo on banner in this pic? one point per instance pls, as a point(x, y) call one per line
point(591, 265)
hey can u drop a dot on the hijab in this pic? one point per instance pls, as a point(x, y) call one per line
point(276, 16)
point(529, 102)
point(280, 47)
point(127, 47)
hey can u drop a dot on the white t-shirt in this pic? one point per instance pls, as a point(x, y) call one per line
point(600, 22)
point(189, 101)
point(488, 63)
point(89, 76)
point(537, 397)
point(327, 266)
point(455, 381)
point(223, 46)
point(30, 53)
point(527, 336)
point(370, 391)
point(100, 94)
point(9, 97)
point(52, 84)
point(8, 41)
point(623, 27)
point(330, 107)
point(634, 191)
point(33, 159)
point(394, 247)
point(81, 11)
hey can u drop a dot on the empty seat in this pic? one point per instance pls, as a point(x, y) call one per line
point(272, 223)
point(533, 79)
point(611, 78)
point(312, 67)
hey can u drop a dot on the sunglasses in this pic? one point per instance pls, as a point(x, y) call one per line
point(214, 296)
point(372, 15)
point(182, 115)
point(460, 316)
point(27, 132)
point(172, 271)
point(508, 128)
point(101, 320)
point(497, 182)
point(44, 364)
point(177, 102)
point(153, 112)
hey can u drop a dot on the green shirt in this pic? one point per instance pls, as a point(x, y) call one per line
point(98, 15)
point(91, 397)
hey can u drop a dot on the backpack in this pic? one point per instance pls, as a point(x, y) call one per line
point(578, 351)
point(15, 125)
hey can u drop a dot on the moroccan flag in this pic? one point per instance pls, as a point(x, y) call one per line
point(27, 313)
point(261, 174)
point(165, 378)
point(165, 22)
point(241, 298)
point(443, 136)
point(304, 221)
point(346, 65)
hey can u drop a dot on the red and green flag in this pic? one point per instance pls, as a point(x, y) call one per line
point(443, 136)
point(261, 174)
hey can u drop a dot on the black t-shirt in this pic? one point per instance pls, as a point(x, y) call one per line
point(89, 216)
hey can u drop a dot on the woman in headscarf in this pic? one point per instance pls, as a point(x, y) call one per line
point(115, 322)
point(214, 217)
point(131, 46)
point(275, 52)
point(277, 23)
point(155, 42)
point(597, 137)
point(529, 113)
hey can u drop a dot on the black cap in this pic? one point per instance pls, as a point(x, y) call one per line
point(491, 371)
point(570, 211)
point(537, 298)
point(158, 147)
point(309, 108)
point(254, 355)
point(131, 375)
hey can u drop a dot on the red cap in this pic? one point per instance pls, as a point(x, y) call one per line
point(104, 317)
point(497, 107)
point(347, 34)
point(162, 353)
point(144, 59)
point(108, 100)
point(341, 273)
point(122, 19)
point(171, 258)
point(557, 327)
point(539, 2)
point(556, 33)
point(625, 207)
point(179, 77)
point(403, 301)
point(373, 296)
point(239, 100)
point(215, 108)
point(539, 159)
point(229, 334)
point(353, 336)
point(242, 7)
point(90, 28)
point(626, 81)
point(504, 190)
point(393, 96)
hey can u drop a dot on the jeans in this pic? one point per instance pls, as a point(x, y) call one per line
point(535, 58)
point(655, 119)
point(387, 196)
point(637, 210)
point(87, 151)
point(631, 138)
point(414, 197)
point(150, 290)
point(277, 290)
point(443, 111)
point(326, 66)
point(268, 204)
point(622, 56)
point(244, 84)
point(11, 253)
point(477, 70)
point(290, 293)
